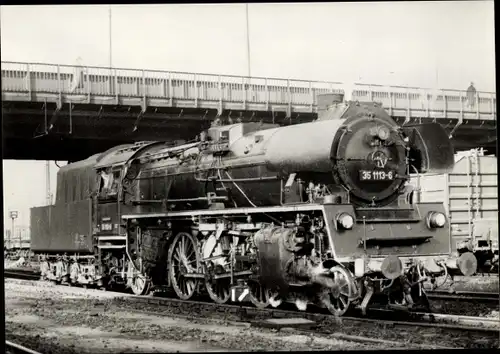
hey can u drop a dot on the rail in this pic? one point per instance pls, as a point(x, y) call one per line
point(17, 348)
point(21, 274)
point(60, 83)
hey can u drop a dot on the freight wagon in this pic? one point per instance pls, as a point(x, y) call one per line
point(470, 195)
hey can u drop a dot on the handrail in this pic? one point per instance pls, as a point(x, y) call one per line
point(62, 83)
point(171, 72)
point(242, 77)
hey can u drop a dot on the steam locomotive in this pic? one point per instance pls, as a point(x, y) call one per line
point(312, 213)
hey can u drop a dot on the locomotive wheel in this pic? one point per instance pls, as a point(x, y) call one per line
point(337, 299)
point(274, 298)
point(258, 294)
point(218, 290)
point(140, 285)
point(138, 282)
point(184, 258)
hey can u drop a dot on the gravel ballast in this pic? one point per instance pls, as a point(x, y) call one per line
point(57, 319)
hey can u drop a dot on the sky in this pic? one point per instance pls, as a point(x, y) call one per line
point(427, 44)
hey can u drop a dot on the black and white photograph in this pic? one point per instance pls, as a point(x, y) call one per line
point(239, 177)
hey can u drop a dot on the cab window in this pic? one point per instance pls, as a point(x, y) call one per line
point(109, 181)
point(113, 190)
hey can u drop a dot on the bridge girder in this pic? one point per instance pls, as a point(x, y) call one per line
point(83, 129)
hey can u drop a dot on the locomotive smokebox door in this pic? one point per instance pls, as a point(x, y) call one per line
point(431, 151)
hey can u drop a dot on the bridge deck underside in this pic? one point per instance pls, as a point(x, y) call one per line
point(81, 130)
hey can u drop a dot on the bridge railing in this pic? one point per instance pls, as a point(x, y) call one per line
point(84, 83)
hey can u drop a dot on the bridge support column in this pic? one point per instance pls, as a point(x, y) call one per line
point(428, 103)
point(138, 119)
point(267, 94)
point(144, 104)
point(492, 107)
point(408, 109)
point(170, 91)
point(289, 107)
point(196, 91)
point(477, 105)
point(219, 108)
point(71, 118)
point(144, 93)
point(460, 118)
point(459, 123)
point(28, 80)
point(445, 108)
point(89, 91)
point(117, 93)
point(311, 93)
point(55, 115)
point(244, 92)
point(45, 117)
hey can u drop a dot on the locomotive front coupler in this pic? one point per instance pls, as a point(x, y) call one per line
point(370, 290)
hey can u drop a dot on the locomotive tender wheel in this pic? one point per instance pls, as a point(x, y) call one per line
point(337, 299)
point(74, 272)
point(44, 270)
point(219, 290)
point(184, 258)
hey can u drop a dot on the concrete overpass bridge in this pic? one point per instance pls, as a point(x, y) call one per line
point(63, 112)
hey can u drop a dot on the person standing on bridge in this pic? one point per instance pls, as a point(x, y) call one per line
point(77, 81)
point(471, 96)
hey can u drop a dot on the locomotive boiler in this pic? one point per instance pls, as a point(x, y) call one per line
point(312, 213)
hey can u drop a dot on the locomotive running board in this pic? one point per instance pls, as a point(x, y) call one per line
point(291, 208)
point(218, 276)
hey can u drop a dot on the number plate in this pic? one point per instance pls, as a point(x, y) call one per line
point(365, 175)
point(106, 227)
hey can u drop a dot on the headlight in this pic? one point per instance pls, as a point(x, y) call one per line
point(345, 221)
point(435, 220)
point(384, 133)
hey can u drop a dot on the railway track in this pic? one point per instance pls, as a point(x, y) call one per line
point(24, 274)
point(253, 315)
point(457, 296)
point(463, 295)
point(374, 314)
point(491, 297)
point(13, 348)
point(307, 331)
point(462, 331)
point(428, 327)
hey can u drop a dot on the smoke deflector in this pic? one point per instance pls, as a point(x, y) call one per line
point(431, 150)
